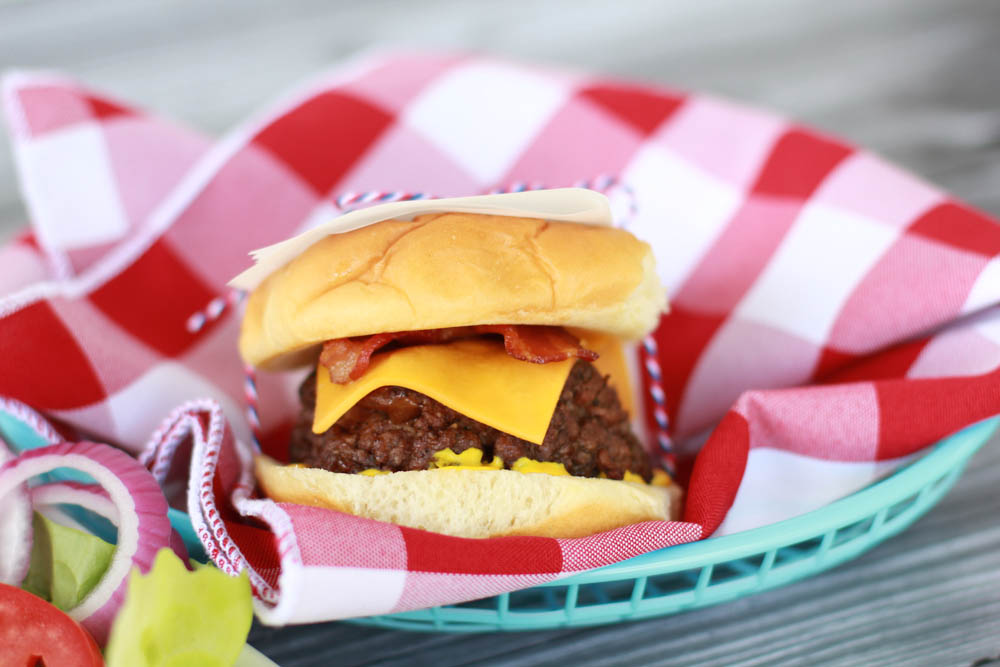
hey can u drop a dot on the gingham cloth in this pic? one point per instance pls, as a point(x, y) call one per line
point(831, 315)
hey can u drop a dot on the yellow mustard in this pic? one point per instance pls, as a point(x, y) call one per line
point(630, 476)
point(661, 478)
point(472, 459)
point(524, 464)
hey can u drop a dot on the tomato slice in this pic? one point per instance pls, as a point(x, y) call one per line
point(34, 632)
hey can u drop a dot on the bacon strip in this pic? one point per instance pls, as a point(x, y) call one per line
point(538, 344)
point(347, 359)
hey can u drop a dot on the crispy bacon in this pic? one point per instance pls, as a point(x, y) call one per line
point(538, 344)
point(348, 358)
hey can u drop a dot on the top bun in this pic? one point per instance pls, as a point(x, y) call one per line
point(453, 269)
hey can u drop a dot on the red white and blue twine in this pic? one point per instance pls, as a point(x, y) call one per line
point(251, 400)
point(376, 197)
point(214, 310)
point(654, 375)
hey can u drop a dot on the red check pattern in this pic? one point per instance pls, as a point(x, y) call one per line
point(827, 307)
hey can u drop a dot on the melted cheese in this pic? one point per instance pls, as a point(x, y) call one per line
point(611, 362)
point(474, 377)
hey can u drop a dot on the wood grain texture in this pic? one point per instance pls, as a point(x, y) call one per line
point(915, 80)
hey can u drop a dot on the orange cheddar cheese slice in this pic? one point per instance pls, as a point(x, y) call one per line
point(474, 377)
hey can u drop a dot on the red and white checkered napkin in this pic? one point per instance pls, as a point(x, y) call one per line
point(831, 314)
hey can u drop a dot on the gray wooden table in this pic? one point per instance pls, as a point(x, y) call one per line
point(915, 80)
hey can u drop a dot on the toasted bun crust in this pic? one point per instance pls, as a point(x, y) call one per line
point(453, 269)
point(475, 503)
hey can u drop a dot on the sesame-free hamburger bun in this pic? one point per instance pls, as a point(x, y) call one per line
point(454, 269)
point(451, 433)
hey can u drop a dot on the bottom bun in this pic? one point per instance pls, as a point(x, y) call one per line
point(475, 503)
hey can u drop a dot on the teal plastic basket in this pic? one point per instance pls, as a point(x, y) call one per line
point(718, 569)
point(687, 576)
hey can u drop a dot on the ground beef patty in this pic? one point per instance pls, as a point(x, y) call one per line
point(393, 428)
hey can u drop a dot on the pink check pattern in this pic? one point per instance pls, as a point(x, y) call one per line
point(831, 315)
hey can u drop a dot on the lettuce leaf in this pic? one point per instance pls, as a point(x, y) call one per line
point(173, 617)
point(65, 563)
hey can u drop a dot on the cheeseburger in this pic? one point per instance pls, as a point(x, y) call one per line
point(467, 368)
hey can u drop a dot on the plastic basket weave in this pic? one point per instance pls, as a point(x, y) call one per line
point(720, 569)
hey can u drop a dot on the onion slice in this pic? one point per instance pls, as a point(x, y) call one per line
point(16, 535)
point(47, 497)
point(92, 497)
point(143, 526)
